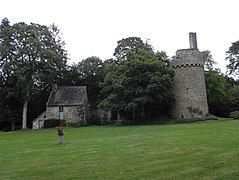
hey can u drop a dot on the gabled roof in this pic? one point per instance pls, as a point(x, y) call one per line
point(68, 96)
point(39, 117)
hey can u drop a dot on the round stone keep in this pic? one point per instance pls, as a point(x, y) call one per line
point(189, 85)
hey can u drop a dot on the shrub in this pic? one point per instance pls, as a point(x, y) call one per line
point(6, 129)
point(94, 119)
point(195, 110)
point(68, 123)
point(79, 124)
point(51, 123)
point(234, 114)
point(17, 128)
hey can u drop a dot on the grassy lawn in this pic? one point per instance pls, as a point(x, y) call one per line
point(202, 150)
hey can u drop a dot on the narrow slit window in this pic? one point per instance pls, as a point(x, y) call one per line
point(61, 109)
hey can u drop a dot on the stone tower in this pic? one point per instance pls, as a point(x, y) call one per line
point(189, 83)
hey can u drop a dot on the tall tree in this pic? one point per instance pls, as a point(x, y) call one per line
point(208, 60)
point(112, 89)
point(132, 44)
point(234, 92)
point(71, 76)
point(91, 72)
point(34, 55)
point(4, 23)
point(221, 93)
point(233, 58)
point(138, 82)
point(221, 89)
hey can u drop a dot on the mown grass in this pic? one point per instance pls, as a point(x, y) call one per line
point(202, 150)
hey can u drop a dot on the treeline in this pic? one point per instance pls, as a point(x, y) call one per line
point(137, 80)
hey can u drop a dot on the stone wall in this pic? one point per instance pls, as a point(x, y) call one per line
point(189, 86)
point(193, 40)
point(74, 113)
point(38, 123)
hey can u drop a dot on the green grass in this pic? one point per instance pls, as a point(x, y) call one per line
point(202, 150)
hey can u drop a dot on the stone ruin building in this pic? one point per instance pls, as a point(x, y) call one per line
point(189, 83)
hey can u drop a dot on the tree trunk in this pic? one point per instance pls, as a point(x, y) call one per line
point(133, 114)
point(143, 111)
point(24, 113)
point(13, 125)
point(118, 116)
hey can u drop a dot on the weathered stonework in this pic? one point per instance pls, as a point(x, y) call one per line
point(193, 40)
point(189, 83)
point(73, 113)
point(65, 103)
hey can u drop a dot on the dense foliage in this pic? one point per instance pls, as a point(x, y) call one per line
point(139, 84)
point(221, 94)
point(222, 91)
point(234, 114)
point(208, 60)
point(135, 84)
point(91, 73)
point(132, 44)
point(233, 58)
point(31, 58)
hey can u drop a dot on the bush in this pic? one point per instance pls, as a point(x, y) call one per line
point(51, 123)
point(17, 128)
point(94, 119)
point(7, 129)
point(68, 123)
point(234, 114)
point(79, 124)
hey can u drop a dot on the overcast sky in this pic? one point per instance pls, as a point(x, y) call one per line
point(93, 27)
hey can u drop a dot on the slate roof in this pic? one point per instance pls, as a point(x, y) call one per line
point(68, 96)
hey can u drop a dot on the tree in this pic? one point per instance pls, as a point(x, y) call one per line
point(132, 44)
point(91, 73)
point(4, 23)
point(221, 89)
point(208, 60)
point(112, 89)
point(34, 56)
point(141, 80)
point(71, 76)
point(216, 89)
point(10, 113)
point(234, 92)
point(221, 93)
point(233, 58)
